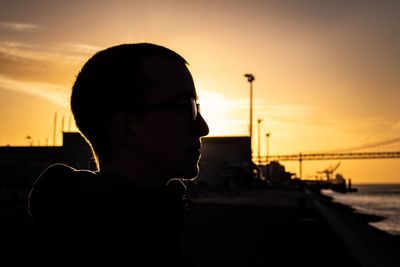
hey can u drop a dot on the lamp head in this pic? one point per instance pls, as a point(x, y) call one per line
point(250, 77)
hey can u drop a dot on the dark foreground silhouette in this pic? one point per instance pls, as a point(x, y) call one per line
point(270, 230)
point(87, 218)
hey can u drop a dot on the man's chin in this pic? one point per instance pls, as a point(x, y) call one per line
point(189, 179)
point(188, 174)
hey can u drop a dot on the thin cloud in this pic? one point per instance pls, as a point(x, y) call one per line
point(288, 113)
point(396, 126)
point(82, 48)
point(31, 52)
point(18, 27)
point(71, 54)
point(50, 92)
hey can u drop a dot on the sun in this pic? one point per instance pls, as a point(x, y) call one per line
point(222, 114)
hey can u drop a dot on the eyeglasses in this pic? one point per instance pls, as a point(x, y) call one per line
point(192, 103)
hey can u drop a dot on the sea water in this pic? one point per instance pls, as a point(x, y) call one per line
point(376, 199)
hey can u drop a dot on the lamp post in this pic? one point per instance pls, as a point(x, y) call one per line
point(259, 141)
point(250, 79)
point(267, 152)
point(30, 140)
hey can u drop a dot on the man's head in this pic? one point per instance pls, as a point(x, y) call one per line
point(134, 101)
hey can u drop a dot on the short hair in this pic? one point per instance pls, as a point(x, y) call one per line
point(112, 80)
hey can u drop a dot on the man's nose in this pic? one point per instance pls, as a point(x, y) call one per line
point(201, 126)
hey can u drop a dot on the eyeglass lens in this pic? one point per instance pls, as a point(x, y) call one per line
point(194, 108)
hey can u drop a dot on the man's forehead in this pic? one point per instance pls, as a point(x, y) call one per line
point(167, 79)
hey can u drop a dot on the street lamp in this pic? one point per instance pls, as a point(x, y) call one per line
point(267, 135)
point(30, 140)
point(250, 79)
point(259, 141)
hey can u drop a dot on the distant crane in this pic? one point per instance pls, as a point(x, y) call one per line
point(329, 171)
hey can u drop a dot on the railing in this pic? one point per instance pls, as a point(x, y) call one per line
point(328, 156)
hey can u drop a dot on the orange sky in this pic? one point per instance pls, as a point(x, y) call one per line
point(327, 72)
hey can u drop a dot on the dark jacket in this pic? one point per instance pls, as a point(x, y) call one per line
point(83, 218)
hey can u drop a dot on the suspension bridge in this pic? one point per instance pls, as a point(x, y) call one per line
point(388, 149)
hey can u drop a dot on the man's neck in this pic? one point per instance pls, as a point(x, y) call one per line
point(147, 177)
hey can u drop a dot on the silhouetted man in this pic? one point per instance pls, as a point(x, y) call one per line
point(136, 105)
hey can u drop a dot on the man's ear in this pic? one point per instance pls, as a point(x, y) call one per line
point(124, 130)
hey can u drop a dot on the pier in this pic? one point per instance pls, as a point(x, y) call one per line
point(282, 228)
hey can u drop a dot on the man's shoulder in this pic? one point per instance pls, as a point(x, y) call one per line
point(61, 189)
